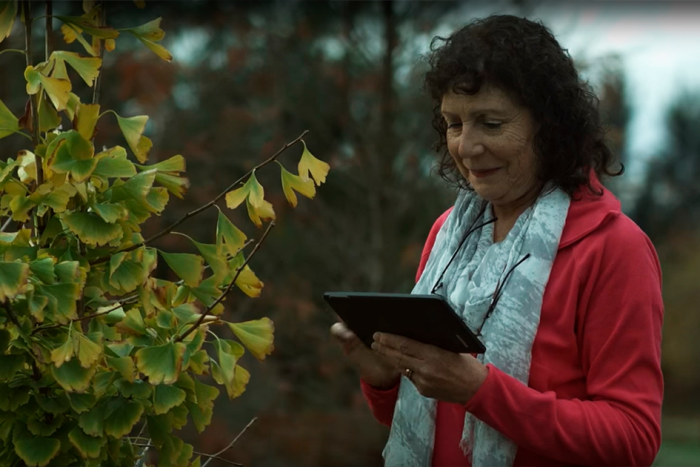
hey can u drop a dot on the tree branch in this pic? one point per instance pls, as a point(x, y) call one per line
point(228, 289)
point(49, 30)
point(98, 80)
point(82, 318)
point(216, 456)
point(211, 203)
point(210, 456)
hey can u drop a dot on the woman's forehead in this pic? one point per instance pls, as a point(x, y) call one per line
point(489, 98)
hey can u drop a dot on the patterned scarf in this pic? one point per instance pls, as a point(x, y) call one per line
point(508, 334)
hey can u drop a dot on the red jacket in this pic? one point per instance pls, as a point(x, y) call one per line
point(595, 387)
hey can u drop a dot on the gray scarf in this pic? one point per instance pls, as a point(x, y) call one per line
point(469, 284)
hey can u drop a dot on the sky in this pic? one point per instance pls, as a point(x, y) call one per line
point(658, 43)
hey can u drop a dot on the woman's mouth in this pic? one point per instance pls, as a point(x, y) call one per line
point(483, 173)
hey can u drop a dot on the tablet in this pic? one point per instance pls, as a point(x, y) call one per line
point(425, 318)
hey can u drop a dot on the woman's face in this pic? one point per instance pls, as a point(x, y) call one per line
point(490, 137)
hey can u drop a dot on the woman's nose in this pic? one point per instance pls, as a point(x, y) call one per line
point(469, 145)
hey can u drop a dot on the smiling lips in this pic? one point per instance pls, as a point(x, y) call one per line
point(483, 173)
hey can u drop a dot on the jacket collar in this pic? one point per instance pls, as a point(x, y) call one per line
point(588, 212)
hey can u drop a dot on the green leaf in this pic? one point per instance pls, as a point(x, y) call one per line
point(215, 258)
point(172, 164)
point(113, 163)
point(91, 228)
point(205, 394)
point(133, 323)
point(89, 352)
point(8, 11)
point(103, 32)
point(174, 184)
point(228, 354)
point(291, 182)
point(120, 422)
point(132, 129)
point(81, 402)
point(43, 426)
point(61, 300)
point(188, 267)
point(229, 235)
point(8, 122)
point(43, 269)
point(92, 422)
point(125, 274)
point(161, 363)
point(48, 117)
point(308, 164)
point(63, 353)
point(124, 365)
point(72, 376)
point(257, 336)
point(150, 30)
point(137, 187)
point(55, 404)
point(9, 365)
point(13, 277)
point(111, 213)
point(88, 446)
point(87, 67)
point(86, 117)
point(5, 338)
point(34, 451)
point(166, 397)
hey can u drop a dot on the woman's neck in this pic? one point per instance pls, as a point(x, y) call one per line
point(507, 214)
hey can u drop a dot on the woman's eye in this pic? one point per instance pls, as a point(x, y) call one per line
point(453, 126)
point(492, 125)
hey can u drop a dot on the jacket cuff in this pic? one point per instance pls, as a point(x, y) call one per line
point(379, 393)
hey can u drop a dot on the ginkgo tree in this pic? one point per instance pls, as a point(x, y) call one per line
point(99, 359)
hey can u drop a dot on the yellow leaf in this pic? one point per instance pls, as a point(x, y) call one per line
point(264, 212)
point(291, 182)
point(58, 90)
point(70, 33)
point(256, 335)
point(88, 351)
point(86, 118)
point(62, 354)
point(8, 11)
point(133, 128)
point(158, 49)
point(256, 191)
point(249, 283)
point(87, 67)
point(309, 164)
point(110, 45)
point(235, 197)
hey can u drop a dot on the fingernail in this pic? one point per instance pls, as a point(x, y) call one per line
point(376, 336)
point(375, 346)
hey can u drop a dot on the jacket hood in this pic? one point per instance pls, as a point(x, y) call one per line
point(588, 212)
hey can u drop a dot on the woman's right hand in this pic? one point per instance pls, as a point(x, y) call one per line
point(373, 368)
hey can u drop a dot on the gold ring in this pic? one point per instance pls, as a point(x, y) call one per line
point(408, 372)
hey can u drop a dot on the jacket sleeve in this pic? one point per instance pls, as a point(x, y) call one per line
point(620, 346)
point(382, 402)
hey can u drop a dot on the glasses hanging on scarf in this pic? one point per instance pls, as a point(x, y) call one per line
point(499, 285)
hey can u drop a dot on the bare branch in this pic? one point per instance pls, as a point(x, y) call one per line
point(206, 206)
point(228, 289)
point(230, 445)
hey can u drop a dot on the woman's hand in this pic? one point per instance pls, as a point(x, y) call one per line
point(373, 368)
point(436, 373)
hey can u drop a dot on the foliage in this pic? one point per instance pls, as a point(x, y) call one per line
point(93, 346)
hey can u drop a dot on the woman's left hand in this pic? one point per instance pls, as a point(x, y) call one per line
point(436, 373)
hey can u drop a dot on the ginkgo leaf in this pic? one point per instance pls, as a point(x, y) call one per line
point(81, 402)
point(123, 418)
point(161, 363)
point(110, 212)
point(173, 183)
point(232, 238)
point(228, 353)
point(165, 397)
point(91, 228)
point(258, 214)
point(34, 450)
point(72, 377)
point(8, 122)
point(110, 45)
point(88, 446)
point(88, 352)
point(8, 11)
point(234, 198)
point(124, 365)
point(256, 192)
point(48, 117)
point(113, 163)
point(133, 323)
point(82, 23)
point(58, 90)
point(63, 353)
point(92, 422)
point(86, 116)
point(13, 277)
point(158, 49)
point(188, 267)
point(257, 336)
point(151, 30)
point(87, 67)
point(215, 258)
point(172, 164)
point(308, 164)
point(132, 129)
point(291, 182)
point(43, 269)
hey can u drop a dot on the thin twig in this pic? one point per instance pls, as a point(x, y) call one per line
point(98, 80)
point(210, 456)
point(49, 30)
point(6, 224)
point(230, 445)
point(12, 50)
point(206, 206)
point(82, 318)
point(230, 286)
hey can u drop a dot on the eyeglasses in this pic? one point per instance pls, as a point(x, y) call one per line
point(499, 285)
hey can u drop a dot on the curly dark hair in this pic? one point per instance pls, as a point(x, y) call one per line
point(523, 59)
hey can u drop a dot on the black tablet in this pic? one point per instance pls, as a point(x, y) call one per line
point(425, 318)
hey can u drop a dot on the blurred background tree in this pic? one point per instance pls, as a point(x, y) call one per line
point(255, 74)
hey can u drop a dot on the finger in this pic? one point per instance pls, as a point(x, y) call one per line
point(402, 344)
point(402, 360)
point(341, 331)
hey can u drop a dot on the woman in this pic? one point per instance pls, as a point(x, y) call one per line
point(537, 257)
